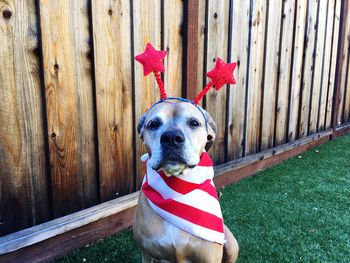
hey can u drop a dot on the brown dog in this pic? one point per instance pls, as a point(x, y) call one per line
point(159, 240)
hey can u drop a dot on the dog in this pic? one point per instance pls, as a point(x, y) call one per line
point(175, 134)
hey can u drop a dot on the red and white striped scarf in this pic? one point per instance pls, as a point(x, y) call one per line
point(188, 201)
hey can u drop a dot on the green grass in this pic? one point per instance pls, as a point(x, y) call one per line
point(297, 211)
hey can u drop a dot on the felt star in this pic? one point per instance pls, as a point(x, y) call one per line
point(222, 74)
point(151, 60)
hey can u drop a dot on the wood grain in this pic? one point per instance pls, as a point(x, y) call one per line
point(255, 77)
point(326, 64)
point(111, 23)
point(318, 67)
point(271, 74)
point(239, 53)
point(173, 42)
point(284, 70)
point(68, 89)
point(218, 16)
point(346, 111)
point(331, 82)
point(201, 55)
point(346, 99)
point(67, 223)
point(296, 77)
point(147, 27)
point(309, 46)
point(23, 177)
point(344, 59)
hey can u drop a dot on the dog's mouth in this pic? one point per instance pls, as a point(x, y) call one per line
point(173, 162)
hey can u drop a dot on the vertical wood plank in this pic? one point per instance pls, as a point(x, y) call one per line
point(255, 76)
point(111, 24)
point(285, 74)
point(191, 42)
point(326, 64)
point(339, 65)
point(173, 19)
point(239, 53)
point(344, 61)
point(297, 70)
point(309, 45)
point(318, 70)
point(147, 27)
point(68, 88)
point(200, 56)
point(333, 64)
point(346, 112)
point(271, 74)
point(23, 177)
point(218, 16)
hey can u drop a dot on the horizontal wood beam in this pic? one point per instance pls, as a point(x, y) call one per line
point(234, 171)
point(59, 236)
point(341, 130)
point(112, 211)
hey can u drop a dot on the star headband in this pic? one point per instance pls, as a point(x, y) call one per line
point(151, 60)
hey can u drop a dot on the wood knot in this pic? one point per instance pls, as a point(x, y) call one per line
point(56, 67)
point(110, 12)
point(7, 14)
point(215, 15)
point(53, 136)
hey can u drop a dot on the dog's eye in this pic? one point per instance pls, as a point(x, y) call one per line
point(194, 123)
point(153, 125)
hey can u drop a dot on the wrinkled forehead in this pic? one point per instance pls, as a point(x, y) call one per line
point(175, 110)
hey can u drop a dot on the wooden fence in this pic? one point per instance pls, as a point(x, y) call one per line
point(71, 94)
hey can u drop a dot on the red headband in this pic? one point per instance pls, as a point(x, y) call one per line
point(151, 60)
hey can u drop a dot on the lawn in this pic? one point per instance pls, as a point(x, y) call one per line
point(297, 211)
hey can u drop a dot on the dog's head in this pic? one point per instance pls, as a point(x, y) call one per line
point(175, 135)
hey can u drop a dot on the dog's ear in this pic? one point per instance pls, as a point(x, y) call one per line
point(140, 125)
point(211, 131)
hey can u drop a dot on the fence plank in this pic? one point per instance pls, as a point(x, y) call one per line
point(218, 16)
point(68, 88)
point(318, 71)
point(201, 56)
point(297, 70)
point(23, 192)
point(346, 111)
point(326, 64)
point(271, 74)
point(285, 74)
point(147, 27)
point(239, 53)
point(111, 23)
point(344, 60)
point(173, 18)
point(331, 82)
point(255, 76)
point(346, 97)
point(309, 45)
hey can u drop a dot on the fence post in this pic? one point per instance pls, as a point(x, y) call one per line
point(190, 47)
point(341, 38)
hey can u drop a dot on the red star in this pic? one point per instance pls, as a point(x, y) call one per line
point(222, 73)
point(151, 60)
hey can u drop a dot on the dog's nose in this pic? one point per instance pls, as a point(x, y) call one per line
point(172, 139)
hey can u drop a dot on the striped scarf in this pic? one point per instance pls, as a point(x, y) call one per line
point(188, 201)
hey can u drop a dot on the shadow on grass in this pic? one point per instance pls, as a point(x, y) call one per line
point(297, 211)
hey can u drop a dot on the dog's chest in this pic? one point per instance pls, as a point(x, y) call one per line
point(169, 238)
